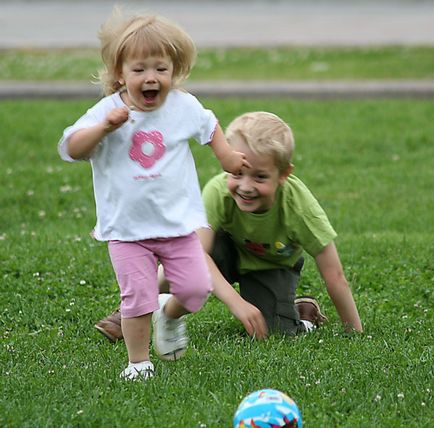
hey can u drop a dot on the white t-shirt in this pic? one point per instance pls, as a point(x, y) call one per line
point(144, 176)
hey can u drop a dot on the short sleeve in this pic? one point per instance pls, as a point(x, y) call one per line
point(305, 218)
point(314, 230)
point(94, 115)
point(206, 122)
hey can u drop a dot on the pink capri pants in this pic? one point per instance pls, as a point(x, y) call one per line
point(136, 264)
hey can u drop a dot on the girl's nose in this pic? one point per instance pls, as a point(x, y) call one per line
point(150, 77)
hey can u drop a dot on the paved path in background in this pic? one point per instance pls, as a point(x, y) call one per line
point(228, 23)
point(240, 89)
point(221, 23)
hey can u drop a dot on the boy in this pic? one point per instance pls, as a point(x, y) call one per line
point(261, 220)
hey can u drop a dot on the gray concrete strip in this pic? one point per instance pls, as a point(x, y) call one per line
point(16, 90)
point(315, 89)
point(221, 23)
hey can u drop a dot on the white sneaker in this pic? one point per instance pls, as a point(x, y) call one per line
point(170, 335)
point(138, 371)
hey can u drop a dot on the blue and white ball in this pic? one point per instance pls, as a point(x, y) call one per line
point(267, 408)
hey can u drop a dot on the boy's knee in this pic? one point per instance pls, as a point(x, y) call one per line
point(273, 293)
point(286, 319)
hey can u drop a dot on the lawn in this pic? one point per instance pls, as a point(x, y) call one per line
point(375, 63)
point(370, 164)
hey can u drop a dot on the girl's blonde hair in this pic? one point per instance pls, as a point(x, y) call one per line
point(265, 134)
point(123, 36)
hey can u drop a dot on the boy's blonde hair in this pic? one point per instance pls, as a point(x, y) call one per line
point(265, 134)
point(123, 36)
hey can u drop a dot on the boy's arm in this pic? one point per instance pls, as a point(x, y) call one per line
point(331, 270)
point(249, 315)
point(230, 160)
point(82, 142)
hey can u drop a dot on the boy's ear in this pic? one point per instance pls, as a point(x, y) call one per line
point(285, 174)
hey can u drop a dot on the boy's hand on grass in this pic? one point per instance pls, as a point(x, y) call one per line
point(115, 119)
point(252, 319)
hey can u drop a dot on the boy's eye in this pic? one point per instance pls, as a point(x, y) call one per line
point(261, 177)
point(162, 69)
point(238, 175)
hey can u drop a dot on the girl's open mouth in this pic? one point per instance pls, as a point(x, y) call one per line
point(150, 95)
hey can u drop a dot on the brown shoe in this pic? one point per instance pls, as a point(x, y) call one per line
point(110, 327)
point(309, 310)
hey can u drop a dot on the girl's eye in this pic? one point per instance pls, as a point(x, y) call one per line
point(261, 177)
point(138, 70)
point(162, 69)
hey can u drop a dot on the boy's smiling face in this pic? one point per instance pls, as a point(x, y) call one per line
point(254, 189)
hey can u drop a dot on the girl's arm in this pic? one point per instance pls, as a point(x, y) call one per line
point(230, 160)
point(249, 315)
point(330, 267)
point(82, 142)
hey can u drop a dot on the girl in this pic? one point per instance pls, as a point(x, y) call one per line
point(147, 194)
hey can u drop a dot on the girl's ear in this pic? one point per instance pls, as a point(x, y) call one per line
point(285, 174)
point(120, 77)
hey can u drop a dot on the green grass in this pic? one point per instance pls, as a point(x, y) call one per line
point(370, 163)
point(275, 63)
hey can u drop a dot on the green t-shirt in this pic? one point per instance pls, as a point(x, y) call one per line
point(273, 239)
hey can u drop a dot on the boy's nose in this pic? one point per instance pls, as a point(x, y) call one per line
point(245, 185)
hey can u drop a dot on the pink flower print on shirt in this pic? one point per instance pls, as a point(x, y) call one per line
point(147, 148)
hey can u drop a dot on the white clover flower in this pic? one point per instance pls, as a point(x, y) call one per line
point(65, 189)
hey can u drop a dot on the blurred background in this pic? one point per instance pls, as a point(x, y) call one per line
point(74, 23)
